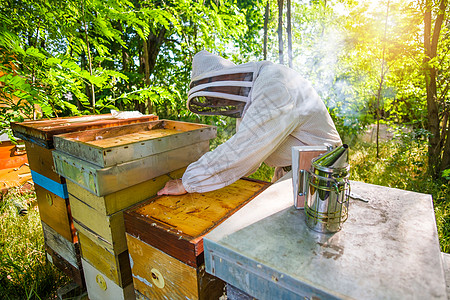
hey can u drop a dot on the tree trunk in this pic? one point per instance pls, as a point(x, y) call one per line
point(280, 31)
point(445, 164)
point(266, 22)
point(382, 75)
point(430, 72)
point(289, 32)
point(151, 48)
point(88, 52)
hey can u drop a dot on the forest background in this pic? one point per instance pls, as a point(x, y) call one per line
point(372, 62)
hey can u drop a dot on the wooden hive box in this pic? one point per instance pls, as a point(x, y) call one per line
point(165, 240)
point(41, 132)
point(100, 225)
point(55, 212)
point(51, 189)
point(64, 254)
point(100, 287)
point(108, 160)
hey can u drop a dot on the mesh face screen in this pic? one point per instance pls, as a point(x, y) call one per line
point(216, 106)
point(217, 102)
point(227, 77)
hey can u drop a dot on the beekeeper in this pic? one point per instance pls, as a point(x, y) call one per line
point(276, 107)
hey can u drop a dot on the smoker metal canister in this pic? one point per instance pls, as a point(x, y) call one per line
point(326, 187)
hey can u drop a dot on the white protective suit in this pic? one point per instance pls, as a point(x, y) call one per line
point(281, 111)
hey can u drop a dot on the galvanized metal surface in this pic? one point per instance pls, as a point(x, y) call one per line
point(446, 261)
point(104, 181)
point(387, 249)
point(111, 146)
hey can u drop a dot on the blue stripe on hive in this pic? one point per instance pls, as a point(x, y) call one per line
point(50, 185)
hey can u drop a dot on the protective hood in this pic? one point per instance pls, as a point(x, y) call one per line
point(219, 87)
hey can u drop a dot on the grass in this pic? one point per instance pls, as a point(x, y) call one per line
point(25, 272)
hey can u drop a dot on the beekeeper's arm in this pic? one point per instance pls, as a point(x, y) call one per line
point(268, 121)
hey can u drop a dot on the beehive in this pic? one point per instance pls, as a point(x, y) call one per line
point(108, 160)
point(109, 170)
point(165, 240)
point(51, 190)
point(100, 225)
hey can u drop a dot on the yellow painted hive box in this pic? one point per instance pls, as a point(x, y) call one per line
point(165, 240)
point(51, 192)
point(100, 225)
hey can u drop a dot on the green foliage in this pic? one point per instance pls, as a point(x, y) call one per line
point(446, 174)
point(25, 272)
point(264, 173)
point(55, 54)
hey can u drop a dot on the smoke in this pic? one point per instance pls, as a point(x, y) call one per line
point(319, 59)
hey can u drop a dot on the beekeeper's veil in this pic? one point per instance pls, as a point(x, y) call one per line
point(219, 87)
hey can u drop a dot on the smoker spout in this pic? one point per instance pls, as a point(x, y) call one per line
point(334, 159)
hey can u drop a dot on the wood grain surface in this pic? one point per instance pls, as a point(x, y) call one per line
point(63, 254)
point(176, 224)
point(157, 275)
point(132, 138)
point(43, 130)
point(115, 267)
point(114, 202)
point(74, 273)
point(111, 146)
point(55, 212)
point(110, 228)
point(40, 160)
point(60, 245)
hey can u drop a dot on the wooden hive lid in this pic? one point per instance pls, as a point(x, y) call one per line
point(41, 132)
point(176, 224)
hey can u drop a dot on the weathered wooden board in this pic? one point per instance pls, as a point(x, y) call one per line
point(65, 255)
point(55, 212)
point(176, 224)
point(110, 229)
point(114, 202)
point(40, 160)
point(104, 181)
point(76, 274)
point(41, 132)
point(61, 245)
point(100, 287)
point(157, 275)
point(115, 266)
point(301, 160)
point(111, 146)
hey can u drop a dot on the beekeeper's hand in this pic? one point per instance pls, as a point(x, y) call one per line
point(173, 187)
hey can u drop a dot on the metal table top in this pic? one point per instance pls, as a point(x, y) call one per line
point(388, 248)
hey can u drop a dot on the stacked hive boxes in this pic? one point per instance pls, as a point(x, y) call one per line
point(61, 241)
point(110, 170)
point(165, 240)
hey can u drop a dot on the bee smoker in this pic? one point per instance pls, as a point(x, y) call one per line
point(326, 190)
